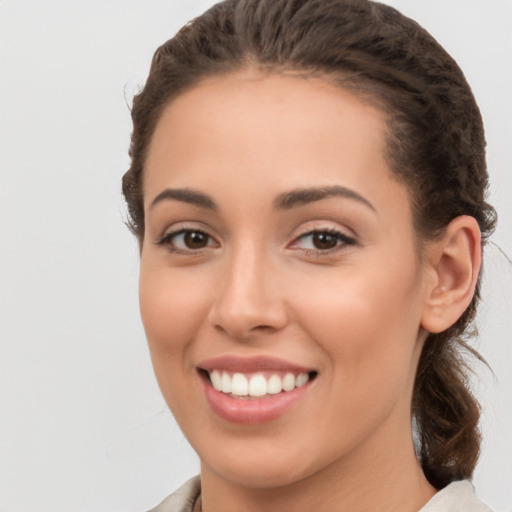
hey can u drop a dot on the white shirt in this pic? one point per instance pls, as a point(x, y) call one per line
point(456, 497)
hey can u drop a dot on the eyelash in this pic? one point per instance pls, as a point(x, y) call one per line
point(167, 240)
point(342, 241)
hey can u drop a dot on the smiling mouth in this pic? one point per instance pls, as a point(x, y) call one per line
point(256, 385)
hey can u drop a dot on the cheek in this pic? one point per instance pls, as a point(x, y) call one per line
point(172, 312)
point(367, 323)
point(169, 303)
point(173, 306)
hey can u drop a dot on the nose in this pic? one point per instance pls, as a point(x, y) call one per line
point(249, 301)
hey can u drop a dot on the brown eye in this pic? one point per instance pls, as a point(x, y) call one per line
point(195, 239)
point(324, 240)
point(187, 240)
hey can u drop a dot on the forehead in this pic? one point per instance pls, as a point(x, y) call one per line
point(278, 131)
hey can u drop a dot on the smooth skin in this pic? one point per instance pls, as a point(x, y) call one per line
point(331, 281)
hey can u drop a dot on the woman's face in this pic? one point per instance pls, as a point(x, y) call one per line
point(279, 253)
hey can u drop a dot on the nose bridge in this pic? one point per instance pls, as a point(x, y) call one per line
point(248, 298)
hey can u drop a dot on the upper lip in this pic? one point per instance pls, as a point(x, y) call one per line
point(251, 364)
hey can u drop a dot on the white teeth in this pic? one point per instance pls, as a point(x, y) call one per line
point(274, 385)
point(226, 383)
point(257, 384)
point(216, 380)
point(289, 382)
point(302, 378)
point(239, 385)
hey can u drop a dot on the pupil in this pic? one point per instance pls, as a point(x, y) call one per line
point(324, 240)
point(195, 240)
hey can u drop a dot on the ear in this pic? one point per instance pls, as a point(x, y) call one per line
point(454, 263)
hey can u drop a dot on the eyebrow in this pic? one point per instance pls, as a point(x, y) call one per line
point(285, 201)
point(185, 195)
point(304, 196)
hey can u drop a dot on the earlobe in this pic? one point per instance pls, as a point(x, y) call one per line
point(455, 261)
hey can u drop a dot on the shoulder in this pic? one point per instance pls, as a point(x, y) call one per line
point(183, 499)
point(456, 497)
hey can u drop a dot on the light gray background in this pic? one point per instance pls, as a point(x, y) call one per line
point(82, 423)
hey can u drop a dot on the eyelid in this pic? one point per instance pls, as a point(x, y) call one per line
point(182, 228)
point(343, 239)
point(185, 225)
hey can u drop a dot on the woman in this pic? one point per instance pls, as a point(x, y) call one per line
point(308, 190)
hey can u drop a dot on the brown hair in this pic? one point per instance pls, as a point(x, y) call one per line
point(435, 145)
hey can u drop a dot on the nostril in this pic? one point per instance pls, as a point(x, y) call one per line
point(264, 328)
point(243, 332)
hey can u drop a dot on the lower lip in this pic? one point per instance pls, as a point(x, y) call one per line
point(252, 411)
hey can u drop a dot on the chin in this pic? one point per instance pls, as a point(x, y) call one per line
point(260, 475)
point(262, 464)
